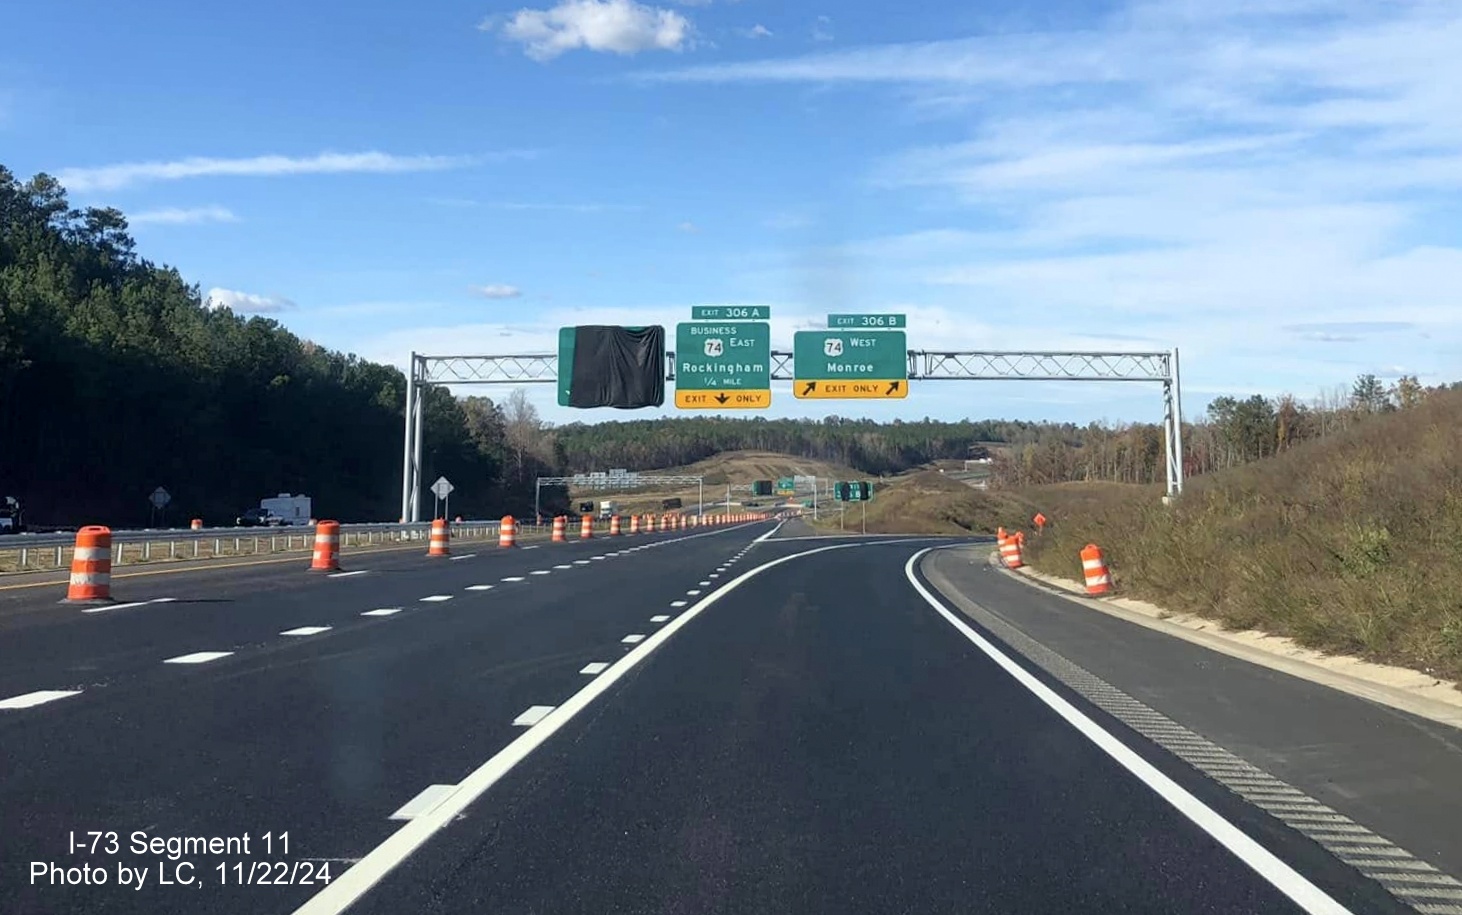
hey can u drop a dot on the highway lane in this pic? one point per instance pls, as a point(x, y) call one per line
point(326, 735)
point(820, 739)
point(1393, 772)
point(48, 646)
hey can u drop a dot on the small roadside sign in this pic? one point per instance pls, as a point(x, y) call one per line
point(160, 497)
point(442, 488)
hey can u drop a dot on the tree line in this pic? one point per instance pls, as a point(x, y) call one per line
point(117, 377)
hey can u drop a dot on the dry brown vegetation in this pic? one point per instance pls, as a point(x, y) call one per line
point(929, 503)
point(1350, 544)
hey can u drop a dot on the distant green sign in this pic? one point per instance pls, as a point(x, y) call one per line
point(730, 312)
point(786, 486)
point(866, 322)
point(839, 364)
point(723, 365)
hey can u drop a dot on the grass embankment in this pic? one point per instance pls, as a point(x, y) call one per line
point(929, 503)
point(1351, 544)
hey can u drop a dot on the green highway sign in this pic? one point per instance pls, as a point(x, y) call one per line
point(730, 312)
point(866, 322)
point(839, 364)
point(725, 365)
point(786, 486)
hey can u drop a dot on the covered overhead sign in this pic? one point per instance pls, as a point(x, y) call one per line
point(609, 366)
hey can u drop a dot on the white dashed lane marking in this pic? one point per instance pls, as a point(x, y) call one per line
point(563, 567)
point(347, 574)
point(659, 619)
point(479, 587)
point(677, 603)
point(704, 584)
point(514, 578)
point(533, 715)
point(541, 572)
point(581, 562)
point(198, 657)
point(136, 603)
point(596, 557)
point(39, 697)
point(632, 639)
point(598, 667)
point(693, 593)
point(306, 630)
point(466, 556)
point(384, 611)
point(436, 598)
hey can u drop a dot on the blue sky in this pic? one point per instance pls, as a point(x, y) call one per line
point(1272, 186)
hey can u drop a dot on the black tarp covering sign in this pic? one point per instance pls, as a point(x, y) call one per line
point(608, 366)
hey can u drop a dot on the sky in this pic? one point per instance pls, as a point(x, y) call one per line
point(1271, 187)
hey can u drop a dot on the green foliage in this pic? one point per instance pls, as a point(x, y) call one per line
point(116, 378)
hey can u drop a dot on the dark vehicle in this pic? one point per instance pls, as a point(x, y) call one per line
point(586, 508)
point(258, 517)
point(668, 504)
point(12, 520)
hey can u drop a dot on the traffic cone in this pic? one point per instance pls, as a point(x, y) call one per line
point(439, 538)
point(327, 547)
point(91, 567)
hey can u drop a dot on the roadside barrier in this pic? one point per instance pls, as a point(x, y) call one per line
point(91, 567)
point(1010, 552)
point(327, 547)
point(586, 528)
point(197, 524)
point(439, 538)
point(614, 526)
point(634, 524)
point(560, 529)
point(507, 532)
point(1094, 565)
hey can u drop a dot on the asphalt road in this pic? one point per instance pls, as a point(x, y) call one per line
point(815, 737)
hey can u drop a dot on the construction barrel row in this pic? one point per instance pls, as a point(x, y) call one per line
point(91, 559)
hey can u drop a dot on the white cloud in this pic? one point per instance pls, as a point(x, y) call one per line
point(756, 31)
point(689, 228)
point(176, 216)
point(497, 291)
point(617, 26)
point(247, 303)
point(113, 177)
point(823, 29)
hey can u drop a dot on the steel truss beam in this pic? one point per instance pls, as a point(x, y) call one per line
point(924, 365)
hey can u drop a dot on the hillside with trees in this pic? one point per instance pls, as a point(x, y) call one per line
point(116, 377)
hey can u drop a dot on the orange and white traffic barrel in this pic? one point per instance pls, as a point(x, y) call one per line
point(438, 545)
point(507, 531)
point(614, 526)
point(1094, 566)
point(586, 528)
point(634, 524)
point(197, 524)
point(560, 529)
point(1010, 553)
point(327, 547)
point(91, 566)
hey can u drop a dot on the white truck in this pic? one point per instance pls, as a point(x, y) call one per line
point(608, 509)
point(282, 510)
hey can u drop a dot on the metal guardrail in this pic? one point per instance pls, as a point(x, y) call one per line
point(42, 552)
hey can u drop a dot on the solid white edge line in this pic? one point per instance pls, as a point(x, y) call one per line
point(357, 880)
point(1264, 862)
